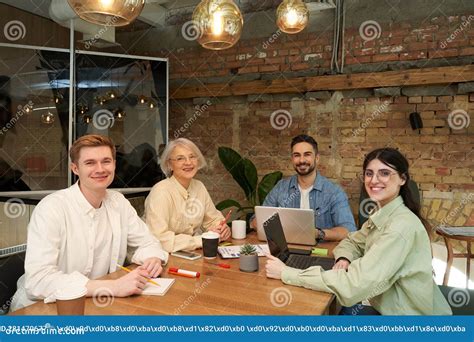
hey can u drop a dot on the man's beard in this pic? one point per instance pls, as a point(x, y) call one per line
point(305, 173)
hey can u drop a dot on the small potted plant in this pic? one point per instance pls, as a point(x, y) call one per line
point(248, 258)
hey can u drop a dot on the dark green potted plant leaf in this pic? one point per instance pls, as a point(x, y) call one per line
point(245, 174)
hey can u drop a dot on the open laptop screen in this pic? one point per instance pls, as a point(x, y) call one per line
point(276, 238)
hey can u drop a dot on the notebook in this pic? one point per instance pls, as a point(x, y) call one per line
point(232, 252)
point(153, 290)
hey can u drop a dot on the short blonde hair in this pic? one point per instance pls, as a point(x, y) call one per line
point(186, 143)
point(91, 140)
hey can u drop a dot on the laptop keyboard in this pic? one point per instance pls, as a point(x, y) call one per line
point(304, 261)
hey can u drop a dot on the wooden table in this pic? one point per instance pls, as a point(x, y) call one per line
point(217, 292)
point(451, 255)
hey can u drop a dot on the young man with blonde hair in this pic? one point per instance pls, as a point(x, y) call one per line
point(81, 233)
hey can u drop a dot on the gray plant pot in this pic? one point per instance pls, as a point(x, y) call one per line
point(248, 263)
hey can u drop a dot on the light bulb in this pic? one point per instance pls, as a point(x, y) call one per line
point(217, 23)
point(291, 17)
point(220, 23)
point(107, 12)
point(47, 118)
point(120, 114)
point(106, 4)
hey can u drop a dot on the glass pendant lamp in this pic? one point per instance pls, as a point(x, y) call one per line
point(219, 23)
point(108, 12)
point(292, 16)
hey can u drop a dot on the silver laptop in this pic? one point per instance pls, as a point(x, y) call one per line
point(298, 224)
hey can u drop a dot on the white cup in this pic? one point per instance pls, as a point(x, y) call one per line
point(239, 229)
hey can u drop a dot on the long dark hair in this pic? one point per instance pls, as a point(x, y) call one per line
point(397, 161)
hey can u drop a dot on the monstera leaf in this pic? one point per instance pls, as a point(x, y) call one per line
point(245, 174)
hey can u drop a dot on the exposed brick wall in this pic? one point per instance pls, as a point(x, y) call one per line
point(346, 124)
point(437, 38)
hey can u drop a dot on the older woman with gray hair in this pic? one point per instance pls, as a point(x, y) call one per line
point(179, 209)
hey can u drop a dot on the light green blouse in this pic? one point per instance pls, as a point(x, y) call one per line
point(390, 266)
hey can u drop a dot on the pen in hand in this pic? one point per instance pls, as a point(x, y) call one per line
point(223, 222)
point(129, 270)
point(226, 218)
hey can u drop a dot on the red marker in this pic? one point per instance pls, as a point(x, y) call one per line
point(219, 264)
point(183, 273)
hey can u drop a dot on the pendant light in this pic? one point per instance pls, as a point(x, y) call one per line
point(119, 114)
point(47, 118)
point(108, 12)
point(219, 23)
point(87, 119)
point(292, 16)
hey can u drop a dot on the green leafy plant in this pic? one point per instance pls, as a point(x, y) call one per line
point(248, 249)
point(245, 174)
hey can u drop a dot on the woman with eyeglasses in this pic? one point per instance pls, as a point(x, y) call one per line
point(179, 209)
point(388, 261)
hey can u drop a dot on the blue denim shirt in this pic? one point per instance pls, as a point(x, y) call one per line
point(328, 200)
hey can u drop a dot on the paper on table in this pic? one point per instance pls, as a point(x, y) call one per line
point(230, 252)
point(153, 290)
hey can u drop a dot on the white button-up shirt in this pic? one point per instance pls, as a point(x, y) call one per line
point(62, 239)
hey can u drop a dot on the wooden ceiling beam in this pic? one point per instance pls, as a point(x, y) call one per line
point(402, 78)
